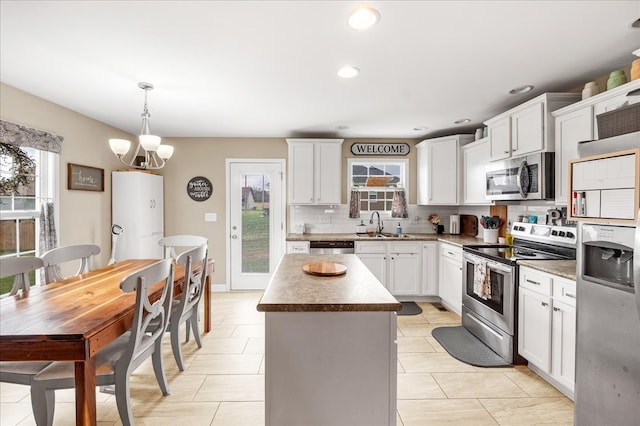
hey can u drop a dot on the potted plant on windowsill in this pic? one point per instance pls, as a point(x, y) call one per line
point(21, 167)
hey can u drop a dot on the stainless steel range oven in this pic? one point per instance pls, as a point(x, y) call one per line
point(490, 282)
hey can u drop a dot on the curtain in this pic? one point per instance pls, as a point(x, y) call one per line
point(354, 204)
point(48, 236)
point(15, 134)
point(399, 204)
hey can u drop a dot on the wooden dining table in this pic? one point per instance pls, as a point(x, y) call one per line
point(73, 319)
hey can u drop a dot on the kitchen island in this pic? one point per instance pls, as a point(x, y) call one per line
point(330, 345)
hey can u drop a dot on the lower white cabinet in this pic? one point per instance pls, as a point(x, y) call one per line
point(397, 265)
point(547, 326)
point(301, 247)
point(450, 277)
point(430, 268)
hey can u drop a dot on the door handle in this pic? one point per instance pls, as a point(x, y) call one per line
point(234, 236)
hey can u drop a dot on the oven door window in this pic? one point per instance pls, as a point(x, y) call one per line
point(497, 281)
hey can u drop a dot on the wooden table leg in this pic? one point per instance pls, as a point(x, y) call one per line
point(85, 374)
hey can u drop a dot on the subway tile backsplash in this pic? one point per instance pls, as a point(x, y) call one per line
point(335, 219)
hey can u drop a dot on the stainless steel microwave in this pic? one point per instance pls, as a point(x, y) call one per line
point(522, 178)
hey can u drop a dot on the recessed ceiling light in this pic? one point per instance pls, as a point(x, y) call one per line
point(348, 72)
point(462, 121)
point(363, 17)
point(342, 127)
point(636, 23)
point(419, 129)
point(521, 89)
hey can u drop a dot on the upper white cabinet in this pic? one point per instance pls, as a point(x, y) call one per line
point(475, 157)
point(439, 171)
point(526, 128)
point(577, 122)
point(571, 128)
point(315, 171)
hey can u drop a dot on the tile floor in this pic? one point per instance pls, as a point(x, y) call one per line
point(223, 383)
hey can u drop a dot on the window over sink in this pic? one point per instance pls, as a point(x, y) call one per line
point(377, 180)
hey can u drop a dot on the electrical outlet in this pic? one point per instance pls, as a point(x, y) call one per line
point(325, 219)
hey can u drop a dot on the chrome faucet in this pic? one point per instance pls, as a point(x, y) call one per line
point(380, 226)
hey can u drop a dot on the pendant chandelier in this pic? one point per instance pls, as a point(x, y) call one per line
point(149, 153)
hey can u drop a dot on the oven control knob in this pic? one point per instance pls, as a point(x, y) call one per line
point(561, 233)
point(570, 235)
point(554, 232)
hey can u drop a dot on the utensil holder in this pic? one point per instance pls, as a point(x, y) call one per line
point(491, 236)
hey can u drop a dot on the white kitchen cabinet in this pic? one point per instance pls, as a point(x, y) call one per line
point(563, 344)
point(571, 128)
point(300, 247)
point(534, 327)
point(439, 173)
point(405, 268)
point(137, 206)
point(377, 264)
point(528, 127)
point(475, 156)
point(500, 138)
point(429, 268)
point(450, 277)
point(396, 264)
point(547, 326)
point(315, 171)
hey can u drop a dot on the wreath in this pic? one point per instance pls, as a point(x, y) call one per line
point(20, 168)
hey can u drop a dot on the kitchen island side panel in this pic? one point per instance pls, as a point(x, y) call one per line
point(330, 368)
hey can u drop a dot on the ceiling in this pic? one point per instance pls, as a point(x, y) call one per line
point(268, 68)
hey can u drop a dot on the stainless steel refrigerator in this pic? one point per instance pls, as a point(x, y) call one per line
point(607, 388)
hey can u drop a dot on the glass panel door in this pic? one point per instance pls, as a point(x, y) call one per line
point(256, 222)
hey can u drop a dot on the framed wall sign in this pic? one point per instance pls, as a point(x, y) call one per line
point(199, 188)
point(85, 178)
point(386, 149)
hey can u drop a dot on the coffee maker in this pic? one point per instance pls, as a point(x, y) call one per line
point(454, 224)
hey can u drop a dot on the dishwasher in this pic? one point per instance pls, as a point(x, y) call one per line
point(331, 247)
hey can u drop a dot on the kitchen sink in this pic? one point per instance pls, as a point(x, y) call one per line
point(385, 235)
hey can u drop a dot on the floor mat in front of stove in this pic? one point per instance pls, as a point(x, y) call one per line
point(466, 347)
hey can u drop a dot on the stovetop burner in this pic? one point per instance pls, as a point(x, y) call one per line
point(532, 242)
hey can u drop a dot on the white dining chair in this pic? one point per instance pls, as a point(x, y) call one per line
point(19, 268)
point(172, 242)
point(120, 358)
point(185, 309)
point(57, 256)
point(20, 372)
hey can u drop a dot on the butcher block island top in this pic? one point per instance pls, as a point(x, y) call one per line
point(293, 290)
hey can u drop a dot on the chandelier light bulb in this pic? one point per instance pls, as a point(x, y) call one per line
point(165, 151)
point(119, 146)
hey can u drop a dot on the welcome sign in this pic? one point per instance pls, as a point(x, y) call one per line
point(380, 149)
